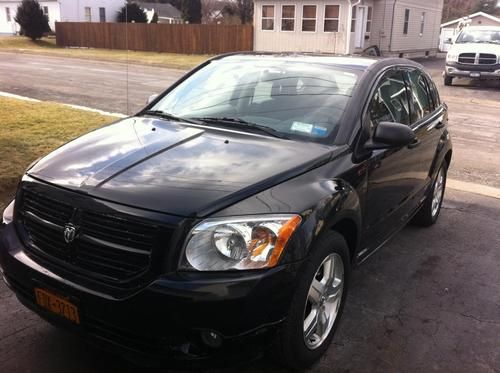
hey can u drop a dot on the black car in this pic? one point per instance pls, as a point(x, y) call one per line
point(225, 217)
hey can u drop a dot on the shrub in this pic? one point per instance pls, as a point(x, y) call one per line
point(132, 13)
point(32, 20)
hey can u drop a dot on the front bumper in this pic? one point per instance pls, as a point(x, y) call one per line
point(472, 71)
point(168, 318)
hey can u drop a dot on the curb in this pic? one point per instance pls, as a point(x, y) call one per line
point(465, 186)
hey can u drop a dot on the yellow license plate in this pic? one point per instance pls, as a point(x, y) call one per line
point(56, 304)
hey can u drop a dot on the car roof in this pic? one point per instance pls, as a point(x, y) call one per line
point(356, 62)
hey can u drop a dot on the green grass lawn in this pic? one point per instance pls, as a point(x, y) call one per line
point(29, 130)
point(47, 46)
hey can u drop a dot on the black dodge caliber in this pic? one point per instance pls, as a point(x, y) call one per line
point(225, 217)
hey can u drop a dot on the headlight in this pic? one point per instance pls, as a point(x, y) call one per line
point(239, 243)
point(452, 57)
point(8, 214)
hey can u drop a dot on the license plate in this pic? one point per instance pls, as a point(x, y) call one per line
point(57, 304)
point(475, 75)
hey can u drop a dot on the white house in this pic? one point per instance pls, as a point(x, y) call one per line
point(62, 11)
point(450, 29)
point(406, 28)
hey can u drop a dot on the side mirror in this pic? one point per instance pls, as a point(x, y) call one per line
point(151, 99)
point(390, 135)
point(448, 41)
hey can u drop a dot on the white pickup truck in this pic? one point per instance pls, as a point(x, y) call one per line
point(475, 54)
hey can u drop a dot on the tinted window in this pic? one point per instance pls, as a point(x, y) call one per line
point(295, 98)
point(390, 101)
point(420, 102)
point(434, 93)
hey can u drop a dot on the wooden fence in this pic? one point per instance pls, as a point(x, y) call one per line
point(188, 39)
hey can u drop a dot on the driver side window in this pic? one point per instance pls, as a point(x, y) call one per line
point(390, 101)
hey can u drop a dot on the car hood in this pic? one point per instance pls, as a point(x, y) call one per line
point(475, 48)
point(175, 168)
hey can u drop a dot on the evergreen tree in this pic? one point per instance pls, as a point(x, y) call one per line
point(132, 12)
point(31, 19)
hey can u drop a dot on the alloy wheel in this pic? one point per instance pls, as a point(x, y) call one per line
point(323, 301)
point(437, 197)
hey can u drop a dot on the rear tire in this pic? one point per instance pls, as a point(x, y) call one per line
point(317, 304)
point(448, 80)
point(429, 212)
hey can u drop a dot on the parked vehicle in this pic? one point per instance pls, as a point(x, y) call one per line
point(475, 54)
point(226, 216)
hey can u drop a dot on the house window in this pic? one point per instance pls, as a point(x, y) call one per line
point(407, 21)
point(288, 18)
point(102, 14)
point(422, 24)
point(46, 11)
point(353, 19)
point(331, 18)
point(369, 20)
point(268, 17)
point(309, 18)
point(88, 14)
point(7, 14)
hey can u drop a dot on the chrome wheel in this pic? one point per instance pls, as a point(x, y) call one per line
point(437, 197)
point(323, 301)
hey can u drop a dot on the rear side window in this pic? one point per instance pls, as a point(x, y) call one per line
point(390, 100)
point(434, 93)
point(420, 101)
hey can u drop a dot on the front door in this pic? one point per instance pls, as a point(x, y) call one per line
point(360, 26)
point(394, 175)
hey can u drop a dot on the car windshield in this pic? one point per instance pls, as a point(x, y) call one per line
point(288, 98)
point(479, 36)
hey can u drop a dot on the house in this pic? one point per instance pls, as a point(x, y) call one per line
point(62, 11)
point(167, 13)
point(450, 29)
point(408, 28)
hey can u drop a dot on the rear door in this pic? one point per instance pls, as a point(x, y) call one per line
point(427, 121)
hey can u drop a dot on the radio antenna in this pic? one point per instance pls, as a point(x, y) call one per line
point(126, 58)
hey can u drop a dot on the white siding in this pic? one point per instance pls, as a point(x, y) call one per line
point(74, 10)
point(298, 41)
point(413, 43)
point(8, 27)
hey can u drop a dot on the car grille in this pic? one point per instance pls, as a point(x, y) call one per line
point(477, 58)
point(111, 247)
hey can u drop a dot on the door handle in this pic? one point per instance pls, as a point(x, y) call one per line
point(416, 142)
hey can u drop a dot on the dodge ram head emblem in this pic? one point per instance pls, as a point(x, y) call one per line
point(69, 233)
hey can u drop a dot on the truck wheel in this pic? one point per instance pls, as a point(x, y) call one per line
point(448, 80)
point(317, 304)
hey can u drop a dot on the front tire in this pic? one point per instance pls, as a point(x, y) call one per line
point(448, 80)
point(317, 304)
point(429, 212)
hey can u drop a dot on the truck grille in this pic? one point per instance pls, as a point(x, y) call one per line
point(477, 58)
point(114, 248)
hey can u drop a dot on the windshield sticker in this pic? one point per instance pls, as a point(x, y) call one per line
point(320, 131)
point(302, 127)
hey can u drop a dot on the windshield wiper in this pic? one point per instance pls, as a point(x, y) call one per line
point(242, 124)
point(165, 115)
